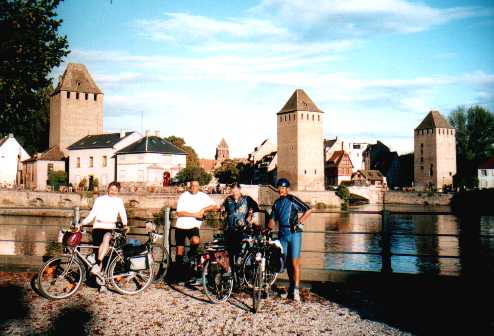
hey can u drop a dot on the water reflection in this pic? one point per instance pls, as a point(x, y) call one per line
point(414, 242)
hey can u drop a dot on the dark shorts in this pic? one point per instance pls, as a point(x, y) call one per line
point(233, 241)
point(98, 235)
point(181, 234)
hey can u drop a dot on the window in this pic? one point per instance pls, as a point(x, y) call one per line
point(421, 167)
point(77, 95)
point(50, 167)
point(95, 97)
point(421, 159)
point(289, 117)
point(91, 161)
point(356, 146)
point(318, 118)
point(68, 94)
point(483, 172)
point(305, 172)
point(78, 163)
point(302, 116)
point(431, 170)
point(285, 117)
point(281, 119)
point(86, 96)
point(313, 118)
point(315, 172)
point(105, 161)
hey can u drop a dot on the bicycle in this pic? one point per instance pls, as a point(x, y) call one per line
point(262, 267)
point(161, 257)
point(128, 269)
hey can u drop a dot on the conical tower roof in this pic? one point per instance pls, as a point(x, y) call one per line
point(299, 101)
point(223, 143)
point(76, 78)
point(434, 120)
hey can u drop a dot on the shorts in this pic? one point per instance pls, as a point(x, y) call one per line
point(181, 234)
point(233, 241)
point(98, 235)
point(292, 244)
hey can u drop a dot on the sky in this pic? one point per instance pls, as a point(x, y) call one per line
point(204, 70)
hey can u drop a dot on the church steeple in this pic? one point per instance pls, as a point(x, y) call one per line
point(222, 151)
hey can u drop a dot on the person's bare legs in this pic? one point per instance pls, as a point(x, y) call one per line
point(103, 248)
point(296, 272)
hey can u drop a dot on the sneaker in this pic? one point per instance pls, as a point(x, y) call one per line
point(95, 270)
point(296, 295)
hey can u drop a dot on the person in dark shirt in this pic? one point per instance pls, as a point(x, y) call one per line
point(241, 210)
point(285, 211)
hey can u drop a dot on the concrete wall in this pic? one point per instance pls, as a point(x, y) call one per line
point(267, 196)
point(9, 161)
point(486, 178)
point(72, 119)
point(139, 167)
point(300, 149)
point(417, 198)
point(105, 174)
point(434, 148)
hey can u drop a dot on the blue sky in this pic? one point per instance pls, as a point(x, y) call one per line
point(211, 69)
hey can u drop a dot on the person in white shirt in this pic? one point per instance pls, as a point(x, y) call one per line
point(105, 212)
point(191, 207)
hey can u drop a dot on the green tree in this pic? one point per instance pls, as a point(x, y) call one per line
point(193, 172)
point(343, 193)
point(192, 158)
point(57, 178)
point(474, 142)
point(30, 47)
point(227, 172)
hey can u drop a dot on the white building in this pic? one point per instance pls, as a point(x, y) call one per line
point(486, 174)
point(93, 157)
point(11, 156)
point(265, 148)
point(37, 168)
point(355, 150)
point(148, 161)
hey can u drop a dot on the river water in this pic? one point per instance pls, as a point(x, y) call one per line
point(425, 242)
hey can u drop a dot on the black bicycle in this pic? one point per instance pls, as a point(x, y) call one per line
point(127, 268)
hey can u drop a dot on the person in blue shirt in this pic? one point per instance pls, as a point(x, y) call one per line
point(240, 210)
point(285, 211)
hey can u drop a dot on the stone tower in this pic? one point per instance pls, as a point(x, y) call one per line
point(222, 151)
point(435, 152)
point(76, 107)
point(300, 143)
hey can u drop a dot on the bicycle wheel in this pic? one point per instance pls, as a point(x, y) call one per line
point(161, 262)
point(60, 277)
point(126, 281)
point(249, 268)
point(257, 289)
point(217, 287)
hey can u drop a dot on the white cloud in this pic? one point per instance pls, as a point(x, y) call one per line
point(183, 27)
point(363, 17)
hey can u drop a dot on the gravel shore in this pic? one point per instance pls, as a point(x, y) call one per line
point(171, 310)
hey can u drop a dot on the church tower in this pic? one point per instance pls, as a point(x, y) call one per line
point(300, 143)
point(222, 151)
point(76, 107)
point(435, 152)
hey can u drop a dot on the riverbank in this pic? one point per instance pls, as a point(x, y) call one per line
point(173, 310)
